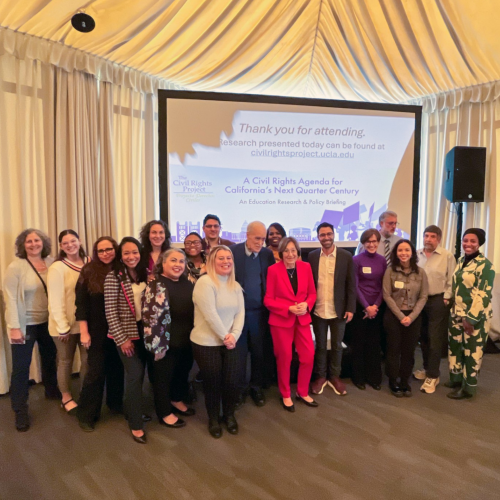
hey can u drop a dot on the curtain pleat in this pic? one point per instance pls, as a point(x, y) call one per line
point(75, 153)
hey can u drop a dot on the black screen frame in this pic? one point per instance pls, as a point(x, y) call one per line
point(163, 95)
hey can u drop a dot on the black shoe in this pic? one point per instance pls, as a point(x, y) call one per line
point(291, 408)
point(146, 418)
point(214, 428)
point(86, 427)
point(460, 394)
point(231, 424)
point(199, 377)
point(312, 404)
point(175, 425)
point(360, 386)
point(453, 385)
point(240, 401)
point(406, 391)
point(396, 391)
point(188, 413)
point(140, 439)
point(22, 422)
point(258, 397)
point(377, 387)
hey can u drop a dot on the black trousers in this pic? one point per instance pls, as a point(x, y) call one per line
point(170, 381)
point(252, 340)
point(21, 361)
point(434, 333)
point(401, 344)
point(364, 335)
point(105, 368)
point(134, 367)
point(221, 370)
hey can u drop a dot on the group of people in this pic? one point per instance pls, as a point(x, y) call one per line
point(144, 306)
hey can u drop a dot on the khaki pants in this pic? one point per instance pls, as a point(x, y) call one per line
point(65, 355)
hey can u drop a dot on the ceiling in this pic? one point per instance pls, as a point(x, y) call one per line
point(373, 50)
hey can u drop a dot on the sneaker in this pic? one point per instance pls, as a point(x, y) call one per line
point(420, 374)
point(338, 386)
point(318, 385)
point(429, 386)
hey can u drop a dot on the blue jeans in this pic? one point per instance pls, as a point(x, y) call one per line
point(21, 361)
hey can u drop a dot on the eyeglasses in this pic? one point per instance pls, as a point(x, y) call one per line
point(105, 250)
point(212, 226)
point(325, 235)
point(392, 224)
point(192, 243)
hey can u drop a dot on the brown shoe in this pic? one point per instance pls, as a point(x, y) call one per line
point(318, 385)
point(338, 386)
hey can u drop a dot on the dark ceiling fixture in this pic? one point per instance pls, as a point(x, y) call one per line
point(83, 22)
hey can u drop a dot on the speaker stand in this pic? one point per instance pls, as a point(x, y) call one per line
point(458, 242)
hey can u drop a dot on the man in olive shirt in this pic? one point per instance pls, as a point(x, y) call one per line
point(439, 265)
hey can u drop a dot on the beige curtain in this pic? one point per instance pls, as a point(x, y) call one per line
point(75, 152)
point(465, 117)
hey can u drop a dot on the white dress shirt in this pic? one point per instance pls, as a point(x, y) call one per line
point(439, 268)
point(325, 306)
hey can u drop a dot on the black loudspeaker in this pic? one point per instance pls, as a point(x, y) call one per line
point(465, 174)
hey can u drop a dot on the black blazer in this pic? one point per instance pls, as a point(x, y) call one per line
point(266, 258)
point(344, 287)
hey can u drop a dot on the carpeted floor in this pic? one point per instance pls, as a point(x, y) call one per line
point(366, 445)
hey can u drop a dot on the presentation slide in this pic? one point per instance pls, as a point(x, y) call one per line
point(295, 165)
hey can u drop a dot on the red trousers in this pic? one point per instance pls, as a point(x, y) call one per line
point(283, 338)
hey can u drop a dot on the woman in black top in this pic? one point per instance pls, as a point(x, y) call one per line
point(168, 316)
point(104, 364)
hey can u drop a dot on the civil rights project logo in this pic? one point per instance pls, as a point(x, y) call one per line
point(186, 185)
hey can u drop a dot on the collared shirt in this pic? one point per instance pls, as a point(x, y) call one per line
point(325, 307)
point(439, 268)
point(393, 239)
point(249, 252)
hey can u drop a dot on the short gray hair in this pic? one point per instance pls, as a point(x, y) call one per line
point(387, 213)
point(158, 269)
point(21, 239)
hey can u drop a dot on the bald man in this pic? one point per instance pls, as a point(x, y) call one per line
point(251, 262)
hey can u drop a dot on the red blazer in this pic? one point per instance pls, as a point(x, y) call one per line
point(279, 294)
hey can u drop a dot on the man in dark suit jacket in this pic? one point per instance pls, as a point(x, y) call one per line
point(211, 229)
point(251, 262)
point(333, 272)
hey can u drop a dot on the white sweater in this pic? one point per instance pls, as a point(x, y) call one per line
point(61, 286)
point(217, 311)
point(17, 276)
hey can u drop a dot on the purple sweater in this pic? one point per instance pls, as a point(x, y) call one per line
point(369, 284)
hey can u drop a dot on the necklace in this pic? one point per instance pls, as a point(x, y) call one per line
point(291, 273)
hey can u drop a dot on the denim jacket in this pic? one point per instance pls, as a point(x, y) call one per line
point(398, 285)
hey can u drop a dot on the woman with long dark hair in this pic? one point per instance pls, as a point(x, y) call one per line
point(104, 364)
point(405, 293)
point(155, 239)
point(61, 283)
point(26, 313)
point(123, 290)
point(168, 316)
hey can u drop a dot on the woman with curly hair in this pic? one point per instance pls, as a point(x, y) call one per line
point(27, 315)
point(104, 364)
point(155, 239)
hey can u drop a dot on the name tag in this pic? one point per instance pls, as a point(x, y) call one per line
point(367, 270)
point(399, 284)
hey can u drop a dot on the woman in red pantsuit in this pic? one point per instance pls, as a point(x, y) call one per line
point(290, 296)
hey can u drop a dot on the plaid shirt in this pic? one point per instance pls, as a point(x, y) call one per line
point(119, 305)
